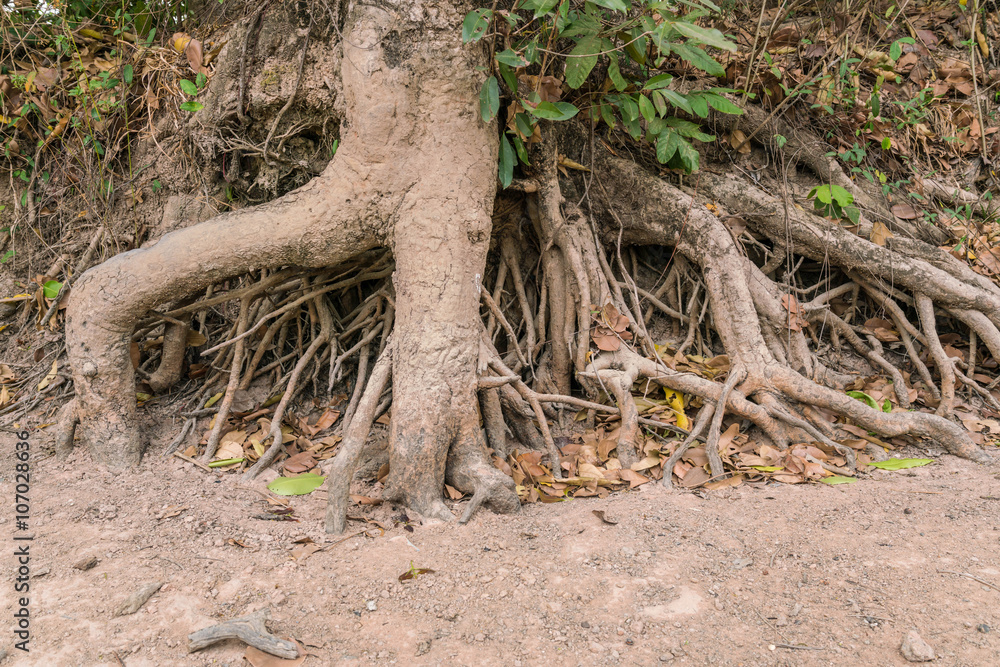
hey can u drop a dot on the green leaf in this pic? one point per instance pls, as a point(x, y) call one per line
point(646, 108)
point(900, 464)
point(614, 5)
point(859, 395)
point(699, 59)
point(188, 87)
point(834, 193)
point(658, 81)
point(542, 7)
point(511, 59)
point(688, 155)
point(556, 111)
point(581, 61)
point(660, 102)
point(666, 145)
point(721, 104)
point(524, 124)
point(127, 75)
point(680, 101)
point(709, 36)
point(886, 144)
point(192, 106)
point(51, 289)
point(838, 479)
point(615, 73)
point(475, 24)
point(780, 140)
point(531, 51)
point(225, 462)
point(630, 110)
point(200, 80)
point(585, 24)
point(509, 77)
point(853, 214)
point(698, 104)
point(7, 256)
point(608, 115)
point(489, 99)
point(297, 486)
point(522, 152)
point(896, 50)
point(506, 162)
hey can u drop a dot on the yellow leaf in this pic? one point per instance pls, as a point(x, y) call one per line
point(566, 162)
point(257, 447)
point(179, 41)
point(212, 401)
point(675, 400)
point(4, 396)
point(93, 34)
point(50, 376)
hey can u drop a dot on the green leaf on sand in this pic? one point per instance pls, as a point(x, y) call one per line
point(838, 479)
point(900, 464)
point(297, 486)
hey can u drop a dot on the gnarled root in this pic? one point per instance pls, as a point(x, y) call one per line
point(669, 216)
point(316, 227)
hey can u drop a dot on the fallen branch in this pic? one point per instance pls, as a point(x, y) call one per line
point(250, 630)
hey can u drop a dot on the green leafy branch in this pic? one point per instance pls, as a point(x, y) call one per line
point(634, 37)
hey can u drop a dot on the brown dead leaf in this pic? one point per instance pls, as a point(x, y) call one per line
point(729, 482)
point(905, 212)
point(603, 517)
point(304, 551)
point(739, 142)
point(694, 477)
point(880, 233)
point(633, 478)
point(6, 374)
point(195, 338)
point(452, 492)
point(795, 319)
point(299, 463)
point(171, 512)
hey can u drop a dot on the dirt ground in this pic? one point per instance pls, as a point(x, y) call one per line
point(765, 575)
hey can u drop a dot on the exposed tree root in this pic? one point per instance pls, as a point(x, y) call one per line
point(341, 473)
point(424, 194)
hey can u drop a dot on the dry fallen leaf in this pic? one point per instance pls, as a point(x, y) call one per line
point(50, 376)
point(603, 517)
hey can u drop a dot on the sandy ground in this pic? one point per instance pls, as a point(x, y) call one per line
point(768, 575)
